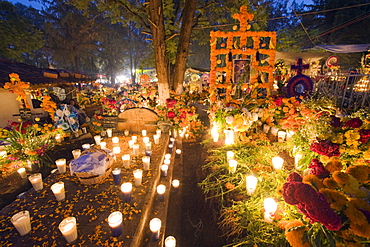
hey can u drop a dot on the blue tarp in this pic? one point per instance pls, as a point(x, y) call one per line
point(345, 48)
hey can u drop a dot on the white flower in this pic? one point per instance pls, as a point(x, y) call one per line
point(59, 113)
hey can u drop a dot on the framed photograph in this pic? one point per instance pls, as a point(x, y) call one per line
point(241, 70)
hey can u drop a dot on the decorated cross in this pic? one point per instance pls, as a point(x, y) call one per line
point(243, 17)
point(300, 66)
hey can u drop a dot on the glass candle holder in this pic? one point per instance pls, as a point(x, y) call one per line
point(21, 222)
point(68, 228)
point(126, 160)
point(116, 173)
point(115, 223)
point(126, 189)
point(138, 176)
point(36, 181)
point(61, 165)
point(155, 227)
point(58, 191)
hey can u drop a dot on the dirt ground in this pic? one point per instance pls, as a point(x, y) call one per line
point(190, 217)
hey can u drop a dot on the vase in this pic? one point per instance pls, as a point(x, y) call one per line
point(164, 126)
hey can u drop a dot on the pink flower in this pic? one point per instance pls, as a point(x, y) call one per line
point(354, 123)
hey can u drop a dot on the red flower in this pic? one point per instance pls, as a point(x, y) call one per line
point(354, 123)
point(294, 177)
point(279, 101)
point(318, 169)
point(183, 114)
point(171, 114)
point(171, 103)
point(364, 135)
point(325, 147)
point(335, 122)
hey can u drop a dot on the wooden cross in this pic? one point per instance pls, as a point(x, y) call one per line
point(243, 17)
point(300, 66)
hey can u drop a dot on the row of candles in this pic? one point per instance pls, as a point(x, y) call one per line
point(270, 206)
point(68, 226)
point(230, 134)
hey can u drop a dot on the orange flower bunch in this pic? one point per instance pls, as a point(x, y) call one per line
point(48, 105)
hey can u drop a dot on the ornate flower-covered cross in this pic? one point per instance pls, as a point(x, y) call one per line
point(243, 17)
point(17, 86)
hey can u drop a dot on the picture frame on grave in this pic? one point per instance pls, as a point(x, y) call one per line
point(241, 70)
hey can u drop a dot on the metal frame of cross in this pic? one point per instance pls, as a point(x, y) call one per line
point(299, 67)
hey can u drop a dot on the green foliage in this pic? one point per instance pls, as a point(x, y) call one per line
point(19, 36)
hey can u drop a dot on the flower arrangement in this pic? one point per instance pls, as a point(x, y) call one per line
point(26, 143)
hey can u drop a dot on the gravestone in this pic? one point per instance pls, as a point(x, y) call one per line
point(137, 119)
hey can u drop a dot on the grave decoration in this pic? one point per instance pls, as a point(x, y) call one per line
point(241, 59)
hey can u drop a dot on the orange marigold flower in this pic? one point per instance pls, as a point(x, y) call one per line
point(314, 181)
point(355, 216)
point(361, 230)
point(229, 186)
point(336, 199)
point(340, 177)
point(295, 237)
point(359, 172)
point(359, 203)
point(330, 183)
point(334, 165)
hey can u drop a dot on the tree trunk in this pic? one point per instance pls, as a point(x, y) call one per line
point(159, 42)
point(184, 43)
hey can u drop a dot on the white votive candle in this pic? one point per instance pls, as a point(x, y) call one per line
point(22, 172)
point(61, 165)
point(115, 140)
point(156, 139)
point(170, 241)
point(21, 222)
point(232, 165)
point(126, 160)
point(103, 145)
point(251, 184)
point(115, 223)
point(229, 155)
point(131, 143)
point(167, 156)
point(143, 132)
point(146, 139)
point(86, 146)
point(146, 162)
point(270, 207)
point(116, 150)
point(59, 191)
point(277, 162)
point(158, 132)
point(68, 228)
point(161, 189)
point(155, 227)
point(164, 169)
point(76, 153)
point(97, 139)
point(109, 132)
point(134, 138)
point(135, 149)
point(36, 181)
point(138, 176)
point(58, 138)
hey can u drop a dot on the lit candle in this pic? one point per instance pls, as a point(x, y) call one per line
point(97, 139)
point(232, 165)
point(229, 137)
point(86, 146)
point(175, 184)
point(172, 141)
point(297, 158)
point(134, 138)
point(214, 132)
point(167, 156)
point(116, 150)
point(58, 138)
point(229, 155)
point(274, 131)
point(155, 227)
point(126, 189)
point(61, 165)
point(131, 143)
point(126, 160)
point(146, 162)
point(281, 136)
point(109, 132)
point(115, 140)
point(116, 173)
point(76, 153)
point(277, 162)
point(3, 154)
point(178, 153)
point(215, 136)
point(103, 145)
point(143, 132)
point(270, 207)
point(22, 172)
point(156, 139)
point(148, 146)
point(138, 176)
point(170, 241)
point(158, 132)
point(135, 149)
point(21, 222)
point(115, 223)
point(167, 162)
point(164, 169)
point(146, 139)
point(126, 132)
point(251, 184)
point(68, 228)
point(36, 181)
point(266, 128)
point(59, 191)
point(161, 189)
point(170, 148)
